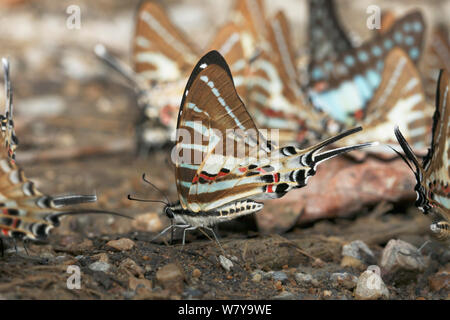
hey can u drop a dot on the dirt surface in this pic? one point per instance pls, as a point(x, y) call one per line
point(74, 120)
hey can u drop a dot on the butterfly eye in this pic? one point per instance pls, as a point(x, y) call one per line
point(169, 213)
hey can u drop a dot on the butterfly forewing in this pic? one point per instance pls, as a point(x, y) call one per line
point(161, 51)
point(406, 33)
point(326, 36)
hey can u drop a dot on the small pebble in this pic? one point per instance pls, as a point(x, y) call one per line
point(129, 265)
point(100, 266)
point(102, 257)
point(439, 281)
point(356, 253)
point(327, 293)
point(191, 293)
point(123, 244)
point(370, 286)
point(305, 279)
point(225, 263)
point(128, 294)
point(278, 285)
point(280, 276)
point(344, 279)
point(400, 255)
point(171, 277)
point(256, 277)
point(285, 295)
point(150, 222)
point(134, 283)
point(196, 273)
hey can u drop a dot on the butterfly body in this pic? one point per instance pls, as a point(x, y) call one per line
point(212, 217)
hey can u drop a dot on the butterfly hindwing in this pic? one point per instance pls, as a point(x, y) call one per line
point(344, 87)
point(230, 161)
point(399, 101)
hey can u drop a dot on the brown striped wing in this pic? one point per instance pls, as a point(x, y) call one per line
point(436, 165)
point(275, 97)
point(250, 17)
point(25, 213)
point(209, 108)
point(161, 51)
point(399, 101)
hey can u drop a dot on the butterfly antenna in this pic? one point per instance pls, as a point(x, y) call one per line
point(159, 190)
point(145, 200)
point(8, 94)
point(104, 55)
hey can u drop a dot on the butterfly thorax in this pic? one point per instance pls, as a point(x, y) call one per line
point(212, 217)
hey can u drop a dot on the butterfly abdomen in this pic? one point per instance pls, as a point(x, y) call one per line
point(441, 230)
point(226, 212)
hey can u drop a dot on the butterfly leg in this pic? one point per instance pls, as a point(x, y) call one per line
point(215, 237)
point(184, 232)
point(25, 247)
point(162, 232)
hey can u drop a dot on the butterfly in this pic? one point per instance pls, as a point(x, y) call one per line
point(223, 163)
point(344, 86)
point(26, 213)
point(433, 174)
point(162, 56)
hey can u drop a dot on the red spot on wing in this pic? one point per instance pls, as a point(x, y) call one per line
point(243, 169)
point(276, 177)
point(320, 86)
point(359, 114)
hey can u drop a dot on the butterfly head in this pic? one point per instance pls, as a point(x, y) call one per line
point(169, 212)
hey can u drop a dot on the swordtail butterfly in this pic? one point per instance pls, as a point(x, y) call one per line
point(161, 58)
point(223, 163)
point(433, 174)
point(26, 213)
